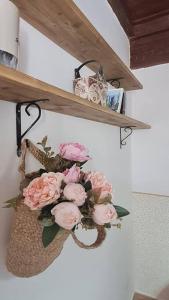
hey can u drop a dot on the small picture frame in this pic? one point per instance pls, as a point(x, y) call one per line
point(114, 98)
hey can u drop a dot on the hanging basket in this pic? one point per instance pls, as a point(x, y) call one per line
point(26, 254)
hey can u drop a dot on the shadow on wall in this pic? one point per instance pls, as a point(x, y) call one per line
point(164, 294)
point(23, 50)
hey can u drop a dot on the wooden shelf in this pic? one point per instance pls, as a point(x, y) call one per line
point(64, 23)
point(16, 87)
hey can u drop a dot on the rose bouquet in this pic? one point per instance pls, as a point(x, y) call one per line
point(53, 202)
point(65, 196)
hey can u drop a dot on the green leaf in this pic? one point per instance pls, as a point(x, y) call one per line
point(46, 222)
point(46, 211)
point(121, 212)
point(44, 141)
point(87, 186)
point(107, 225)
point(47, 149)
point(7, 206)
point(12, 202)
point(49, 234)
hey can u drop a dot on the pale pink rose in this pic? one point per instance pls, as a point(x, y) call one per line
point(72, 174)
point(67, 215)
point(104, 213)
point(74, 152)
point(99, 183)
point(75, 192)
point(43, 190)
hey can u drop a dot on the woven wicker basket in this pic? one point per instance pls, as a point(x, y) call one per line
point(26, 255)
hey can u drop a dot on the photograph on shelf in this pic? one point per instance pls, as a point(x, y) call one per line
point(114, 98)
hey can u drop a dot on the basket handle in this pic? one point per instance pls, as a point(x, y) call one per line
point(27, 145)
point(101, 235)
point(77, 70)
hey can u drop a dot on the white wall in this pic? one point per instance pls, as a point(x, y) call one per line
point(96, 274)
point(150, 148)
point(151, 245)
point(150, 174)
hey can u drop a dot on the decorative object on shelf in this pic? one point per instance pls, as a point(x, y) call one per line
point(9, 33)
point(116, 84)
point(22, 87)
point(53, 202)
point(114, 98)
point(94, 88)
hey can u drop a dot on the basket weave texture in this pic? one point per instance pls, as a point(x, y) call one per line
point(26, 255)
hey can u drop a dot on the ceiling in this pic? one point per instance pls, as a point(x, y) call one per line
point(146, 22)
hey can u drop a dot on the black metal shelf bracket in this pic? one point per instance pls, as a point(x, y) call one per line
point(128, 131)
point(19, 134)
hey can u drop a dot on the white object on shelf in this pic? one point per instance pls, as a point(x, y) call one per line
point(9, 33)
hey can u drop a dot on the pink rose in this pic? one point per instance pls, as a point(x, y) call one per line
point(74, 152)
point(99, 183)
point(104, 213)
point(43, 190)
point(72, 174)
point(67, 215)
point(75, 192)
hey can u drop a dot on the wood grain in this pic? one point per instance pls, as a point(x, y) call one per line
point(153, 25)
point(147, 51)
point(140, 10)
point(121, 12)
point(16, 86)
point(65, 24)
point(147, 25)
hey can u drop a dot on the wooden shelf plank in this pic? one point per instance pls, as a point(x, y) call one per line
point(16, 86)
point(65, 24)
